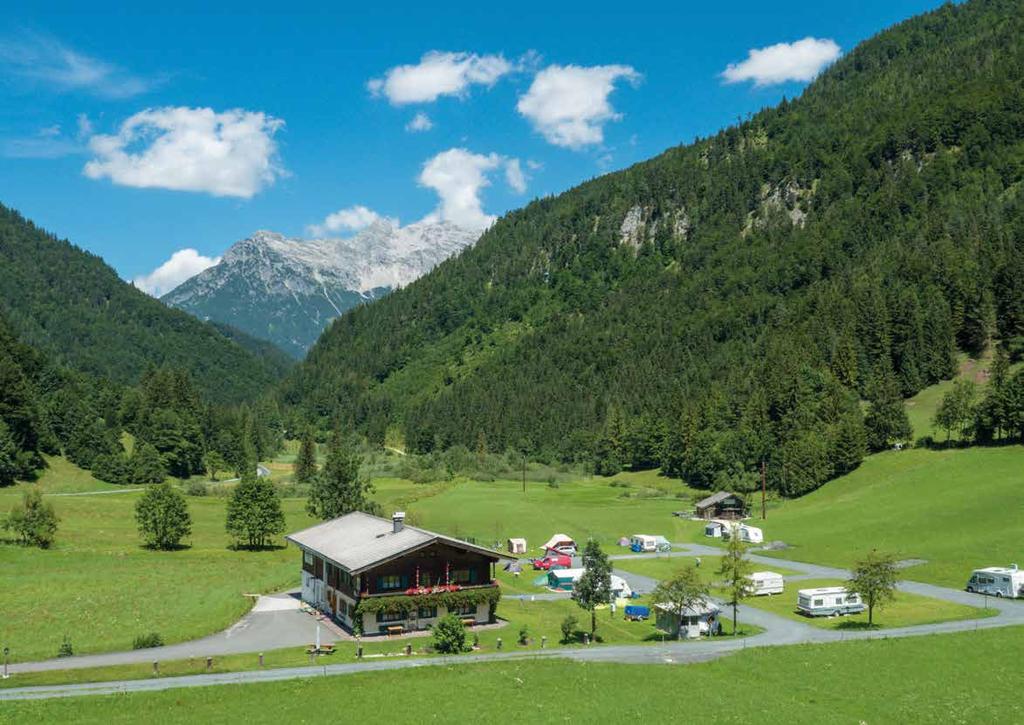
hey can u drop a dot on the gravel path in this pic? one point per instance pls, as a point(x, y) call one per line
point(276, 622)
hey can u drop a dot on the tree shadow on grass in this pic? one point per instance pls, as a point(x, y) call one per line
point(852, 626)
point(256, 548)
point(176, 547)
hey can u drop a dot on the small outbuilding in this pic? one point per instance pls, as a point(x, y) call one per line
point(695, 621)
point(721, 505)
point(517, 546)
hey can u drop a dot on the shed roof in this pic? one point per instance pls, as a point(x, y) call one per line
point(715, 498)
point(358, 541)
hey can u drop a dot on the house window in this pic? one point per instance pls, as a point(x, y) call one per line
point(464, 576)
point(385, 617)
point(391, 581)
point(427, 612)
point(462, 610)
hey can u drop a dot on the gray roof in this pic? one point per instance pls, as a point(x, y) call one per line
point(358, 541)
point(715, 498)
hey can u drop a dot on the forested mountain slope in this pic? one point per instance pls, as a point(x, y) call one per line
point(70, 304)
point(731, 300)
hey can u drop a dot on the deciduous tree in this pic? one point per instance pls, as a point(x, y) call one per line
point(594, 587)
point(874, 579)
point(162, 517)
point(684, 590)
point(254, 512)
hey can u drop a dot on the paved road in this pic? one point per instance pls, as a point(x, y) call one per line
point(97, 493)
point(275, 623)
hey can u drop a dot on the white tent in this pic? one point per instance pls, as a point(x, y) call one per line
point(517, 546)
point(559, 540)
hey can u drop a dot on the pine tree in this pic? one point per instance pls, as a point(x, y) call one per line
point(849, 443)
point(886, 421)
point(735, 571)
point(146, 464)
point(339, 488)
point(254, 512)
point(8, 456)
point(305, 466)
point(594, 587)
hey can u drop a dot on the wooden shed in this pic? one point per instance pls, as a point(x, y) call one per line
point(721, 505)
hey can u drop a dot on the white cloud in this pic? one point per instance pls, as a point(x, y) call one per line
point(183, 264)
point(569, 104)
point(232, 153)
point(351, 219)
point(514, 176)
point(45, 60)
point(459, 176)
point(419, 122)
point(799, 61)
point(439, 74)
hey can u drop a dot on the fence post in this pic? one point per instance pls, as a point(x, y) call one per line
point(499, 642)
point(261, 659)
point(543, 642)
point(156, 668)
point(359, 652)
point(209, 663)
point(408, 649)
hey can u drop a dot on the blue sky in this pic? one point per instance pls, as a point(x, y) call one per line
point(140, 133)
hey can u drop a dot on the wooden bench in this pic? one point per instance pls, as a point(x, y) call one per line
point(395, 629)
point(469, 621)
point(324, 649)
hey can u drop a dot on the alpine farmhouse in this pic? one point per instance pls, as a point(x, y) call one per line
point(375, 576)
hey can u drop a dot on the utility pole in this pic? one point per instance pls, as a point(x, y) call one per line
point(524, 471)
point(764, 510)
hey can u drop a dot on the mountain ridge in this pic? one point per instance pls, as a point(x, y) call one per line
point(287, 290)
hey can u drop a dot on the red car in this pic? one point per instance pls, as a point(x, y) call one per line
point(553, 561)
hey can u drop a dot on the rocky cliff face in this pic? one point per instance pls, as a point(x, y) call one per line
point(287, 290)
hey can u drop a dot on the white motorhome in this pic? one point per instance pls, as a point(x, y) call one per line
point(828, 602)
point(997, 581)
point(766, 583)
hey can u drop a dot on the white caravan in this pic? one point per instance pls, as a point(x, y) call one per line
point(828, 602)
point(997, 581)
point(766, 583)
point(747, 534)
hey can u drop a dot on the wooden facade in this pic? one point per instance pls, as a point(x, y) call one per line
point(439, 567)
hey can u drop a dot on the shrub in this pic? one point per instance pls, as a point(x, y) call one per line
point(449, 635)
point(162, 516)
point(569, 627)
point(65, 649)
point(34, 520)
point(145, 641)
point(524, 635)
point(476, 640)
point(196, 488)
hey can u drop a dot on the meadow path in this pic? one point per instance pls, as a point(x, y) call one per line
point(276, 622)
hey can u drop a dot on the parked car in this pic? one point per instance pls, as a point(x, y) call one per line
point(553, 561)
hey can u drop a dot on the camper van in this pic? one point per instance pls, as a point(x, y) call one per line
point(828, 602)
point(766, 583)
point(997, 581)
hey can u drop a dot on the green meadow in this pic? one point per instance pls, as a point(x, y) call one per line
point(898, 680)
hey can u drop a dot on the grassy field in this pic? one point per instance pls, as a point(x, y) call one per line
point(940, 678)
point(542, 620)
point(959, 509)
point(102, 588)
point(905, 610)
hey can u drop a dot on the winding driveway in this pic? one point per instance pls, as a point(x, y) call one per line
point(276, 622)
